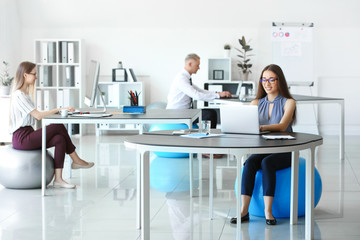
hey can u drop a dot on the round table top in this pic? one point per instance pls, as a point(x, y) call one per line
point(166, 139)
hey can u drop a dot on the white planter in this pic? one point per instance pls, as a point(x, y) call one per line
point(226, 53)
point(4, 90)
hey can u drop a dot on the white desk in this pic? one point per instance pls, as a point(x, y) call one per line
point(239, 146)
point(301, 99)
point(187, 116)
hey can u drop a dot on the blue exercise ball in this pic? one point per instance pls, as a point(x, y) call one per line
point(172, 174)
point(281, 203)
point(21, 169)
point(170, 126)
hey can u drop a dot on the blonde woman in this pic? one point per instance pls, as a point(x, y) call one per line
point(22, 118)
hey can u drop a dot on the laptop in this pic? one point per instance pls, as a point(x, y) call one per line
point(234, 96)
point(243, 119)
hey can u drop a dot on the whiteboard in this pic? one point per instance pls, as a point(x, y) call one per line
point(292, 47)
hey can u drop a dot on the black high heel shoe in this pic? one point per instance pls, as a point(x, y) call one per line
point(271, 221)
point(245, 218)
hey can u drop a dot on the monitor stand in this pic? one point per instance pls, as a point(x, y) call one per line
point(103, 101)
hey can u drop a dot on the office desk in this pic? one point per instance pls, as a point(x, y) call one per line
point(238, 146)
point(187, 116)
point(302, 99)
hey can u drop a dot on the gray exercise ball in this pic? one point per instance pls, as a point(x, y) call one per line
point(21, 169)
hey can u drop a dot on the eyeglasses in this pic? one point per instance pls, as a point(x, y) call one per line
point(34, 74)
point(270, 80)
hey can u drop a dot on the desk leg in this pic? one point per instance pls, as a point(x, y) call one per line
point(211, 185)
point(309, 196)
point(43, 160)
point(238, 200)
point(342, 130)
point(294, 187)
point(191, 171)
point(145, 196)
point(138, 187)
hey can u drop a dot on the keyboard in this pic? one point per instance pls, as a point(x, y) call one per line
point(232, 97)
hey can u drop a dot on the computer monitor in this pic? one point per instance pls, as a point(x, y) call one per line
point(92, 87)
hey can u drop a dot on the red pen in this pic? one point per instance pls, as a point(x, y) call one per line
point(133, 96)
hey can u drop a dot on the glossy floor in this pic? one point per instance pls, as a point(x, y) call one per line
point(104, 203)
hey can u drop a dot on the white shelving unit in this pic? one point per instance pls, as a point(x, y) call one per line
point(116, 96)
point(60, 71)
point(220, 79)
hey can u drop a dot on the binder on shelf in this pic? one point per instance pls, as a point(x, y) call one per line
point(49, 100)
point(71, 52)
point(47, 80)
point(66, 98)
point(69, 76)
point(64, 52)
point(77, 75)
point(60, 99)
point(46, 100)
point(39, 100)
point(44, 52)
point(51, 52)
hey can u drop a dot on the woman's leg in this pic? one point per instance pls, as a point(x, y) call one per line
point(251, 166)
point(270, 165)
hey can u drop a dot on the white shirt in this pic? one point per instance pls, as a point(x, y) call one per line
point(181, 92)
point(21, 106)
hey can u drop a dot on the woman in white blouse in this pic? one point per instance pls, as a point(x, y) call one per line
point(22, 118)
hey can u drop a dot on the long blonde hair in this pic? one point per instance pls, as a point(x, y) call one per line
point(24, 67)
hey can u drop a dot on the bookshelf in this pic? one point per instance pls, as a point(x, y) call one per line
point(116, 96)
point(60, 69)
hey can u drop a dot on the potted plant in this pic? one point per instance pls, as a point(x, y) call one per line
point(227, 49)
point(244, 62)
point(5, 78)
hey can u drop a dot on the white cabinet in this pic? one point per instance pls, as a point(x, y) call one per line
point(116, 95)
point(4, 119)
point(60, 71)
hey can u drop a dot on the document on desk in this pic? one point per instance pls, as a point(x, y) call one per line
point(201, 135)
point(274, 137)
point(92, 115)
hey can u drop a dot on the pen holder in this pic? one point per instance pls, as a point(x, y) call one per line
point(134, 98)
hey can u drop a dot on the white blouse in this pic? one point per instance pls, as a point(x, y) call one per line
point(181, 92)
point(21, 106)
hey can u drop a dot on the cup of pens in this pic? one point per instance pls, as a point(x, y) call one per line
point(134, 98)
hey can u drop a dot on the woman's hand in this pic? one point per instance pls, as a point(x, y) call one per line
point(70, 109)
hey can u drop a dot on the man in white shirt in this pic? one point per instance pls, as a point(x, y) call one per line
point(182, 91)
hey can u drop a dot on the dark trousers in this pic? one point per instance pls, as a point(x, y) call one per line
point(269, 163)
point(210, 114)
point(26, 138)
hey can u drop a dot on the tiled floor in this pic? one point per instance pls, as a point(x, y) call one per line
point(103, 205)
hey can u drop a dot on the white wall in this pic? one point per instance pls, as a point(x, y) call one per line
point(10, 34)
point(154, 36)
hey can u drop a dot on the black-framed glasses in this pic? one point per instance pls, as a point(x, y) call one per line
point(34, 74)
point(270, 80)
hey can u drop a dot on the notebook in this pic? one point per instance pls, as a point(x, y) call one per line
point(240, 119)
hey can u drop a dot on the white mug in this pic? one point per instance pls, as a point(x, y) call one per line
point(64, 112)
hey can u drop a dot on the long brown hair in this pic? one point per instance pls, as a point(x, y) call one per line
point(24, 67)
point(281, 83)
